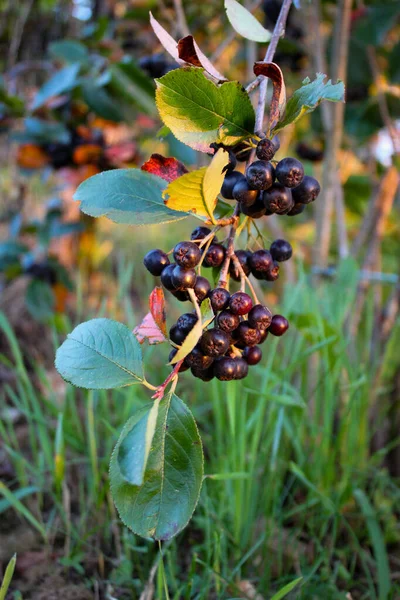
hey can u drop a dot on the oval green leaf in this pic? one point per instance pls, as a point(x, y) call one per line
point(164, 503)
point(100, 354)
point(61, 82)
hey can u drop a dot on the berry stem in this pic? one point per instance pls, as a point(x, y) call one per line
point(244, 279)
point(230, 248)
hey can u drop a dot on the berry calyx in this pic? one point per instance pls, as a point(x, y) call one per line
point(273, 272)
point(214, 342)
point(281, 250)
point(225, 369)
point(231, 179)
point(279, 325)
point(307, 191)
point(227, 321)
point(278, 199)
point(265, 149)
point(252, 355)
point(243, 193)
point(214, 256)
point(289, 172)
point(183, 279)
point(219, 299)
point(260, 317)
point(240, 303)
point(187, 254)
point(260, 175)
point(247, 335)
point(155, 261)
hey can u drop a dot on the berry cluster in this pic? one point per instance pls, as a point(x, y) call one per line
point(232, 343)
point(266, 189)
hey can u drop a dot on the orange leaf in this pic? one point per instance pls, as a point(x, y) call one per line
point(166, 168)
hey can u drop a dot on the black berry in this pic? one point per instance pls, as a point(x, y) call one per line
point(278, 199)
point(259, 317)
point(307, 191)
point(184, 366)
point(166, 278)
point(196, 359)
point(279, 325)
point(204, 374)
point(201, 288)
point(183, 279)
point(252, 354)
point(260, 175)
point(242, 256)
point(177, 335)
point(265, 149)
point(259, 262)
point(256, 210)
point(231, 179)
point(240, 303)
point(155, 261)
point(227, 321)
point(289, 172)
point(281, 250)
point(187, 254)
point(219, 298)
point(241, 368)
point(186, 322)
point(247, 335)
point(225, 369)
point(273, 272)
point(200, 233)
point(214, 256)
point(297, 209)
point(244, 194)
point(214, 342)
point(180, 295)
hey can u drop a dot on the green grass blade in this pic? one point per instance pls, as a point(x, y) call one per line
point(7, 577)
point(19, 507)
point(286, 589)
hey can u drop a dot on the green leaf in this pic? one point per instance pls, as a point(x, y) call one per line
point(61, 82)
point(164, 503)
point(101, 102)
point(10, 253)
point(129, 83)
point(189, 342)
point(39, 300)
point(41, 132)
point(70, 51)
point(128, 196)
point(100, 354)
point(307, 98)
point(199, 112)
point(245, 23)
point(286, 589)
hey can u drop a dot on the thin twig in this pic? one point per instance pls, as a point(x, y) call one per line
point(181, 18)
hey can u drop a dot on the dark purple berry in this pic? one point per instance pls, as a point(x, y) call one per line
point(166, 278)
point(240, 303)
point(183, 279)
point(260, 175)
point(225, 368)
point(196, 359)
point(278, 199)
point(180, 295)
point(204, 374)
point(259, 317)
point(214, 342)
point(201, 288)
point(252, 354)
point(227, 321)
point(264, 335)
point(241, 368)
point(265, 149)
point(242, 152)
point(256, 210)
point(244, 194)
point(281, 250)
point(297, 209)
point(259, 263)
point(214, 256)
point(307, 152)
point(289, 172)
point(177, 335)
point(247, 335)
point(219, 298)
point(186, 322)
point(273, 272)
point(231, 179)
point(187, 254)
point(200, 233)
point(279, 325)
point(183, 367)
point(155, 261)
point(307, 191)
point(242, 256)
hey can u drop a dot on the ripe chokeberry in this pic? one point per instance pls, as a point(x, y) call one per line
point(241, 368)
point(252, 354)
point(183, 279)
point(307, 191)
point(231, 179)
point(279, 325)
point(240, 303)
point(155, 261)
point(256, 210)
point(289, 172)
point(177, 334)
point(187, 254)
point(166, 278)
point(260, 175)
point(214, 256)
point(200, 233)
point(281, 250)
point(264, 335)
point(273, 272)
point(219, 298)
point(214, 342)
point(227, 321)
point(204, 374)
point(184, 366)
point(265, 149)
point(201, 288)
point(242, 256)
point(259, 263)
point(186, 322)
point(180, 295)
point(247, 335)
point(196, 359)
point(244, 194)
point(260, 317)
point(297, 209)
point(225, 368)
point(278, 199)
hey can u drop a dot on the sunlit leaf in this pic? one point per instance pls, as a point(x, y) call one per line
point(245, 23)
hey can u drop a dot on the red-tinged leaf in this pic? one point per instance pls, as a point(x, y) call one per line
point(278, 101)
point(149, 330)
point(167, 41)
point(168, 169)
point(189, 51)
point(157, 309)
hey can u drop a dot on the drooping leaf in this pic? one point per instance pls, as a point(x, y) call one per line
point(278, 100)
point(153, 328)
point(197, 191)
point(307, 98)
point(70, 51)
point(245, 23)
point(189, 51)
point(100, 354)
point(166, 40)
point(135, 447)
point(62, 81)
point(172, 479)
point(199, 112)
point(157, 309)
point(128, 196)
point(167, 168)
point(39, 300)
point(98, 99)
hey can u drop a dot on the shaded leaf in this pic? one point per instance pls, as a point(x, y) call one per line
point(39, 300)
point(199, 112)
point(307, 98)
point(164, 503)
point(278, 100)
point(168, 168)
point(189, 51)
point(70, 51)
point(101, 102)
point(41, 132)
point(129, 196)
point(62, 81)
point(128, 84)
point(245, 23)
point(100, 354)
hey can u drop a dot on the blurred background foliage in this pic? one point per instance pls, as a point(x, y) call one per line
point(302, 461)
